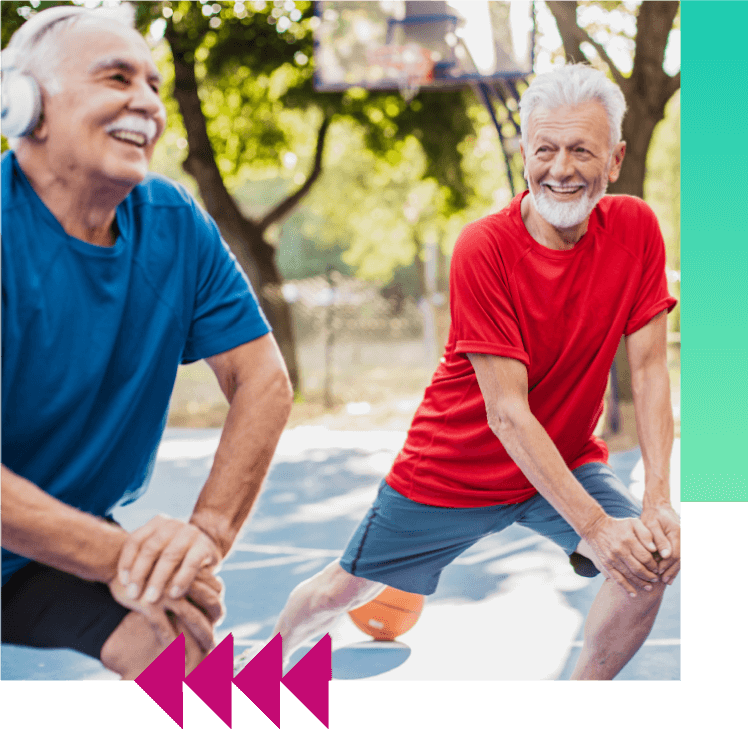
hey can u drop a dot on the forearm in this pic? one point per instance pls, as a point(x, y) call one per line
point(531, 448)
point(256, 418)
point(42, 528)
point(654, 425)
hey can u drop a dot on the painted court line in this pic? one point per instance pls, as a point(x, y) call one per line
point(654, 643)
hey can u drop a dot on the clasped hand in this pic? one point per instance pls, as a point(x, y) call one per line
point(166, 566)
point(625, 549)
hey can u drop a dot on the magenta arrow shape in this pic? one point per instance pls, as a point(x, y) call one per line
point(162, 679)
point(211, 679)
point(308, 680)
point(260, 679)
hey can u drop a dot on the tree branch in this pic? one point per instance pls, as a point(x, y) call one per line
point(572, 36)
point(671, 85)
point(285, 206)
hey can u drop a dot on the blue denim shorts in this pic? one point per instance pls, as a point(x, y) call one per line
point(406, 545)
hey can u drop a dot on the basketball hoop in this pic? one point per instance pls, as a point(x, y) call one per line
point(408, 67)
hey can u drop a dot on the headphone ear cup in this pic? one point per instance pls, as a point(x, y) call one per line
point(21, 104)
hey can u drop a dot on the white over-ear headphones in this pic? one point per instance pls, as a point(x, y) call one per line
point(21, 103)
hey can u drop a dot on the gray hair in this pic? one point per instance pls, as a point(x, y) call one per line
point(33, 49)
point(571, 85)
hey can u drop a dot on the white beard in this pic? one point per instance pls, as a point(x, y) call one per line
point(565, 214)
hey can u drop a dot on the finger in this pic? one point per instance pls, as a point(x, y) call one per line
point(130, 551)
point(202, 553)
point(671, 573)
point(636, 564)
point(208, 600)
point(148, 555)
point(645, 548)
point(662, 543)
point(621, 581)
point(167, 564)
point(195, 621)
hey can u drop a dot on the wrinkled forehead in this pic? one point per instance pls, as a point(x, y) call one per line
point(91, 42)
point(587, 121)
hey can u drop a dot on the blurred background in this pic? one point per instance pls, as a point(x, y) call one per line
point(343, 206)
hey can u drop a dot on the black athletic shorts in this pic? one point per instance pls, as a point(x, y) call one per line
point(45, 608)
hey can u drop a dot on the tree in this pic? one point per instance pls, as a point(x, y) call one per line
point(240, 69)
point(647, 90)
point(253, 62)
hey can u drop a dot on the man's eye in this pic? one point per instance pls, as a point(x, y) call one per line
point(119, 77)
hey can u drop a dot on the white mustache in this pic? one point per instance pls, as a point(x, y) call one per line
point(136, 124)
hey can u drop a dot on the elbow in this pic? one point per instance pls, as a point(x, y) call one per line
point(503, 420)
point(283, 392)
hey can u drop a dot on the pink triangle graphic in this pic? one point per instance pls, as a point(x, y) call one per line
point(211, 679)
point(308, 680)
point(260, 679)
point(162, 679)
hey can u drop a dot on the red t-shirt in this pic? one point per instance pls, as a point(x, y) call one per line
point(561, 313)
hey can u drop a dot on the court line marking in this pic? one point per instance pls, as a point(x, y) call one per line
point(653, 643)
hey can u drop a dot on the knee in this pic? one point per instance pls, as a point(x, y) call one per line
point(340, 591)
point(131, 647)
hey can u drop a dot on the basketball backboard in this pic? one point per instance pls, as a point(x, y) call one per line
point(391, 44)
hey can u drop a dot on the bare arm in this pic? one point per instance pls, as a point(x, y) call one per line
point(46, 530)
point(647, 354)
point(255, 381)
point(619, 544)
point(503, 382)
point(167, 553)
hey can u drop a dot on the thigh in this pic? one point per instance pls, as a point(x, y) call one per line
point(599, 480)
point(406, 545)
point(45, 608)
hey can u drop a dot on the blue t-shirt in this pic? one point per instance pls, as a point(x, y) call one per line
point(92, 336)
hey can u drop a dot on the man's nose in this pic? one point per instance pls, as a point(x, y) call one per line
point(146, 98)
point(563, 165)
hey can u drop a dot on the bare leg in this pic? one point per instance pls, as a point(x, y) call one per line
point(616, 627)
point(133, 646)
point(313, 606)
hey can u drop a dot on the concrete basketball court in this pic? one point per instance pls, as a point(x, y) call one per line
point(510, 608)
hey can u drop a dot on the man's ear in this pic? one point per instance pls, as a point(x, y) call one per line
point(619, 152)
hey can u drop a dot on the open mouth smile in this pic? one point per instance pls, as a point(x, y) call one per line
point(139, 140)
point(564, 189)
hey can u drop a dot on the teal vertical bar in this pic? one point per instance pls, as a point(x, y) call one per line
point(714, 251)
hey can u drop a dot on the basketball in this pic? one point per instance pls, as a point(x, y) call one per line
point(392, 613)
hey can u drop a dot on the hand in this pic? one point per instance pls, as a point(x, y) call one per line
point(168, 617)
point(206, 593)
point(168, 554)
point(664, 523)
point(624, 548)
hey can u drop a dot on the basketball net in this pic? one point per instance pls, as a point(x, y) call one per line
point(408, 67)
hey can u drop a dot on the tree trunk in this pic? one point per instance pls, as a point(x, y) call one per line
point(244, 236)
point(647, 91)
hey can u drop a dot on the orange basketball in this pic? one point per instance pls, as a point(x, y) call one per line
point(392, 613)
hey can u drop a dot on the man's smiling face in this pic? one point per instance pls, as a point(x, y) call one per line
point(103, 122)
point(569, 162)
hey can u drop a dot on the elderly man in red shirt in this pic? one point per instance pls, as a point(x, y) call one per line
point(541, 294)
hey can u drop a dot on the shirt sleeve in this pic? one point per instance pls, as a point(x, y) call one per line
point(484, 318)
point(226, 312)
point(652, 296)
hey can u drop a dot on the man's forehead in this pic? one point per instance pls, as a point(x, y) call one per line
point(588, 119)
point(100, 43)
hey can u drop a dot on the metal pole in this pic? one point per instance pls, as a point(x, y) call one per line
point(483, 95)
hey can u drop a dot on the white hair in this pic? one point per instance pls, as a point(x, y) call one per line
point(571, 85)
point(34, 47)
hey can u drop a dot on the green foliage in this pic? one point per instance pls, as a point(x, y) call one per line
point(662, 190)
